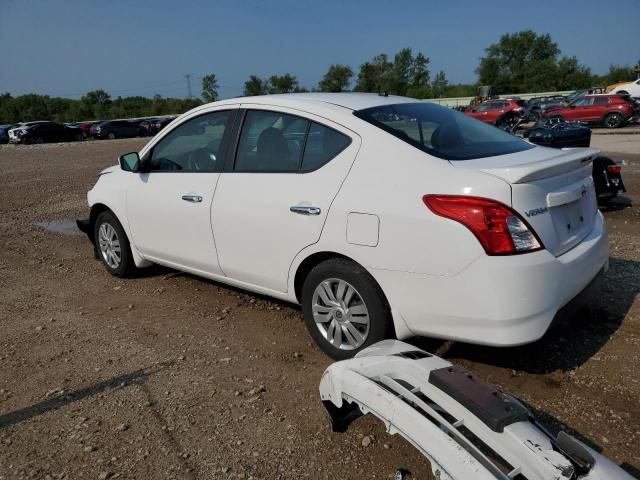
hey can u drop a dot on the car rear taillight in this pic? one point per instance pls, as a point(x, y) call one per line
point(614, 169)
point(500, 230)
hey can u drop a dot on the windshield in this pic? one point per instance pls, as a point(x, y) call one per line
point(576, 95)
point(442, 132)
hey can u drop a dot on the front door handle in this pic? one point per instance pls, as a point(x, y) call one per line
point(302, 210)
point(192, 198)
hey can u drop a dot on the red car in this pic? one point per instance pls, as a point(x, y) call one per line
point(499, 112)
point(612, 111)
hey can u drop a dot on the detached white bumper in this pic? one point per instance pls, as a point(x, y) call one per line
point(500, 301)
point(433, 403)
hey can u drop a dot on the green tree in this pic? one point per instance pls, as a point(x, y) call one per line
point(286, 83)
point(406, 75)
point(519, 62)
point(616, 74)
point(255, 86)
point(419, 86)
point(336, 79)
point(439, 85)
point(209, 88)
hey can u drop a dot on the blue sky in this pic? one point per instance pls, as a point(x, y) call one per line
point(65, 48)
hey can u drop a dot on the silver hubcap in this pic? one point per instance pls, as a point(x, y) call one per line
point(109, 245)
point(340, 314)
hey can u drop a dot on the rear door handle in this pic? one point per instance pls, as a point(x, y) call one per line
point(302, 210)
point(192, 198)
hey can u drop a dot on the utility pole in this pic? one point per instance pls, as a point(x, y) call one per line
point(188, 77)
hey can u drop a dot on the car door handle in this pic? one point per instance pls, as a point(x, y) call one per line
point(302, 210)
point(192, 198)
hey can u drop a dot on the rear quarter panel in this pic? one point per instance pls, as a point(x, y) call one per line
point(388, 179)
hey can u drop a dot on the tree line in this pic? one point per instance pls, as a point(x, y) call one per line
point(518, 63)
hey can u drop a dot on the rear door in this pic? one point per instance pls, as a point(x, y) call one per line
point(274, 202)
point(169, 208)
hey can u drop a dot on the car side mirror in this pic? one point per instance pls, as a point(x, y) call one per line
point(130, 162)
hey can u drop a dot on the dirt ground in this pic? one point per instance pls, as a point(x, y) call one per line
point(172, 376)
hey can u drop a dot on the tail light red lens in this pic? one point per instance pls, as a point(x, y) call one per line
point(500, 230)
point(614, 169)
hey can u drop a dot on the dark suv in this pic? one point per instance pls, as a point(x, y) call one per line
point(117, 129)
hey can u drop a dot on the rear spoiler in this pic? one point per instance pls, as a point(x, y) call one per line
point(534, 164)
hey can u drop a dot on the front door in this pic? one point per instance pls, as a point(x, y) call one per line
point(286, 173)
point(169, 207)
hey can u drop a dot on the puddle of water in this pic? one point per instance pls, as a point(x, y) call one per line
point(65, 227)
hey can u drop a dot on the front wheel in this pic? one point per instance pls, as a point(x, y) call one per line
point(613, 120)
point(344, 308)
point(112, 245)
point(111, 136)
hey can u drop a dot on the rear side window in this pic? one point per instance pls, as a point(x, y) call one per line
point(323, 143)
point(271, 142)
point(442, 132)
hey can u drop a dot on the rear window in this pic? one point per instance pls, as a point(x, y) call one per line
point(442, 132)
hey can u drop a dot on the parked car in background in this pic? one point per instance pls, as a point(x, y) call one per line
point(86, 127)
point(4, 131)
point(147, 126)
point(376, 213)
point(44, 132)
point(612, 111)
point(555, 133)
point(539, 105)
point(159, 124)
point(502, 112)
point(630, 88)
point(117, 129)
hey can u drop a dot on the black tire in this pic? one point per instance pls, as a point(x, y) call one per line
point(622, 92)
point(125, 267)
point(111, 136)
point(368, 292)
point(613, 120)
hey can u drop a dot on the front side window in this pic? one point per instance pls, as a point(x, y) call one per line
point(271, 142)
point(584, 102)
point(442, 132)
point(601, 101)
point(193, 146)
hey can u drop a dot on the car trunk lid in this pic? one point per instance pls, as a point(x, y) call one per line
point(551, 189)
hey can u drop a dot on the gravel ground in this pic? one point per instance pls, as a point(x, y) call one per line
point(172, 376)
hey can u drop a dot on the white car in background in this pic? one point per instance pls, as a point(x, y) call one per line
point(631, 88)
point(382, 216)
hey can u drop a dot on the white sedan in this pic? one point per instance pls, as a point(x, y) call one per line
point(382, 216)
point(631, 88)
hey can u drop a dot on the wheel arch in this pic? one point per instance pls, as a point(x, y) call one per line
point(400, 327)
point(96, 209)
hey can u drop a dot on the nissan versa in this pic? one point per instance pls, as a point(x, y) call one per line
point(382, 216)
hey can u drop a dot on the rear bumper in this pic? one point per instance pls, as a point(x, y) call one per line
point(499, 301)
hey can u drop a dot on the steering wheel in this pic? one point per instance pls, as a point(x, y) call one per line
point(200, 159)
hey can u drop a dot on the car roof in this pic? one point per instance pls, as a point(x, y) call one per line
point(349, 100)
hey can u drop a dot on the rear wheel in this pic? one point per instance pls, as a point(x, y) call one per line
point(613, 120)
point(112, 245)
point(344, 308)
